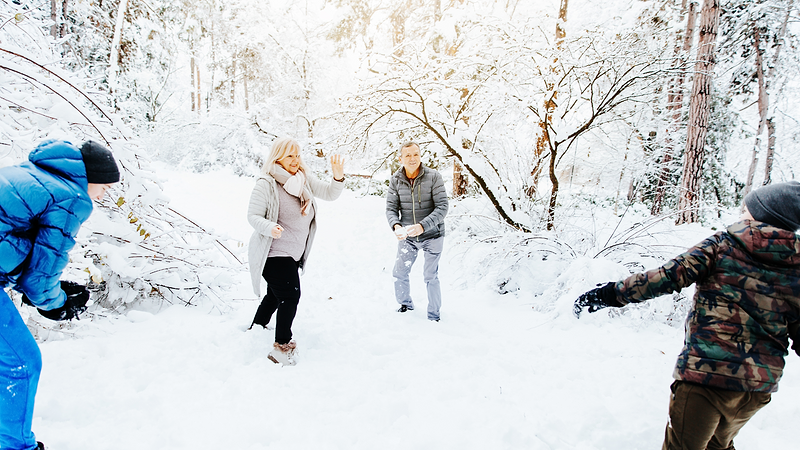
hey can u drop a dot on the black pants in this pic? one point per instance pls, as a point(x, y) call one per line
point(283, 295)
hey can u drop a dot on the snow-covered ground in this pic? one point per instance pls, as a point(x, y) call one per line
point(495, 373)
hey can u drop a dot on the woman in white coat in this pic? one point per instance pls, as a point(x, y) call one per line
point(282, 212)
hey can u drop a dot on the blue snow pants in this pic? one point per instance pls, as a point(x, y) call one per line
point(407, 250)
point(20, 366)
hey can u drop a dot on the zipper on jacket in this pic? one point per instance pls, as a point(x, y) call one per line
point(419, 199)
point(413, 209)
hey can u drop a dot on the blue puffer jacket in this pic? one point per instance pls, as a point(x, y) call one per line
point(43, 203)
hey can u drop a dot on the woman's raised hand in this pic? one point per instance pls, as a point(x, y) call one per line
point(276, 232)
point(337, 166)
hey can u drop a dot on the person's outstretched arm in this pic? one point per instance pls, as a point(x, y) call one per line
point(678, 273)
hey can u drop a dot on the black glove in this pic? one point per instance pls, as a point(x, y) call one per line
point(597, 299)
point(77, 296)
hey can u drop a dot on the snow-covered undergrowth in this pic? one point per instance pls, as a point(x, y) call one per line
point(135, 250)
point(590, 246)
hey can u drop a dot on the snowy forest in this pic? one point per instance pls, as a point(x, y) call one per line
point(672, 109)
point(580, 141)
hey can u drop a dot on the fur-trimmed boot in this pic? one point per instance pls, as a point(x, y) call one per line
point(283, 353)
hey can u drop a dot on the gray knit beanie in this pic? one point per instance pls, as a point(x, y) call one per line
point(776, 204)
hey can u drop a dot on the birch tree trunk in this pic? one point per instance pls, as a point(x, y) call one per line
point(770, 151)
point(113, 59)
point(699, 110)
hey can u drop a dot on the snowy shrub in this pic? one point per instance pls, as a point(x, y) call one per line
point(547, 269)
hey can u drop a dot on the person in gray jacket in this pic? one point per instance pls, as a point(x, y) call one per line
point(283, 212)
point(416, 204)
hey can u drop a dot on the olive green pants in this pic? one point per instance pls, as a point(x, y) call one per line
point(702, 417)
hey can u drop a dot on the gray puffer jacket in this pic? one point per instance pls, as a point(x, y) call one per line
point(422, 200)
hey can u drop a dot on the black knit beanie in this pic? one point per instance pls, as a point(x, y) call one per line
point(776, 204)
point(100, 165)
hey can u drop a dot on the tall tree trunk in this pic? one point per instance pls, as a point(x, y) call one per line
point(675, 109)
point(770, 78)
point(113, 59)
point(550, 107)
point(62, 30)
point(562, 17)
point(699, 110)
point(551, 207)
point(199, 99)
point(763, 104)
point(543, 141)
point(459, 181)
point(246, 99)
point(233, 84)
point(398, 20)
point(770, 151)
point(54, 18)
point(192, 69)
point(212, 91)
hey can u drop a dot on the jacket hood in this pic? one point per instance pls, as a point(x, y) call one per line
point(767, 243)
point(60, 158)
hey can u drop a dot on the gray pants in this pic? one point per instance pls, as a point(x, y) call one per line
point(407, 250)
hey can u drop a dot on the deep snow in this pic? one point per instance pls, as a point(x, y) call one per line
point(495, 373)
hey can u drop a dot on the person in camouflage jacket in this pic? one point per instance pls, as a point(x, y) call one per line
point(746, 308)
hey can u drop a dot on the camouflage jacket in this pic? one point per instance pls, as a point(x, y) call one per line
point(747, 297)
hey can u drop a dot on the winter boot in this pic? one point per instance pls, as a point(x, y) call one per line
point(39, 446)
point(283, 353)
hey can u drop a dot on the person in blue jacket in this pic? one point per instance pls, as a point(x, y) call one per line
point(43, 203)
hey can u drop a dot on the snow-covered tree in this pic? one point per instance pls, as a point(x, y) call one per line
point(482, 104)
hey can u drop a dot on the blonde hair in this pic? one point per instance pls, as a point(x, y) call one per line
point(280, 148)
